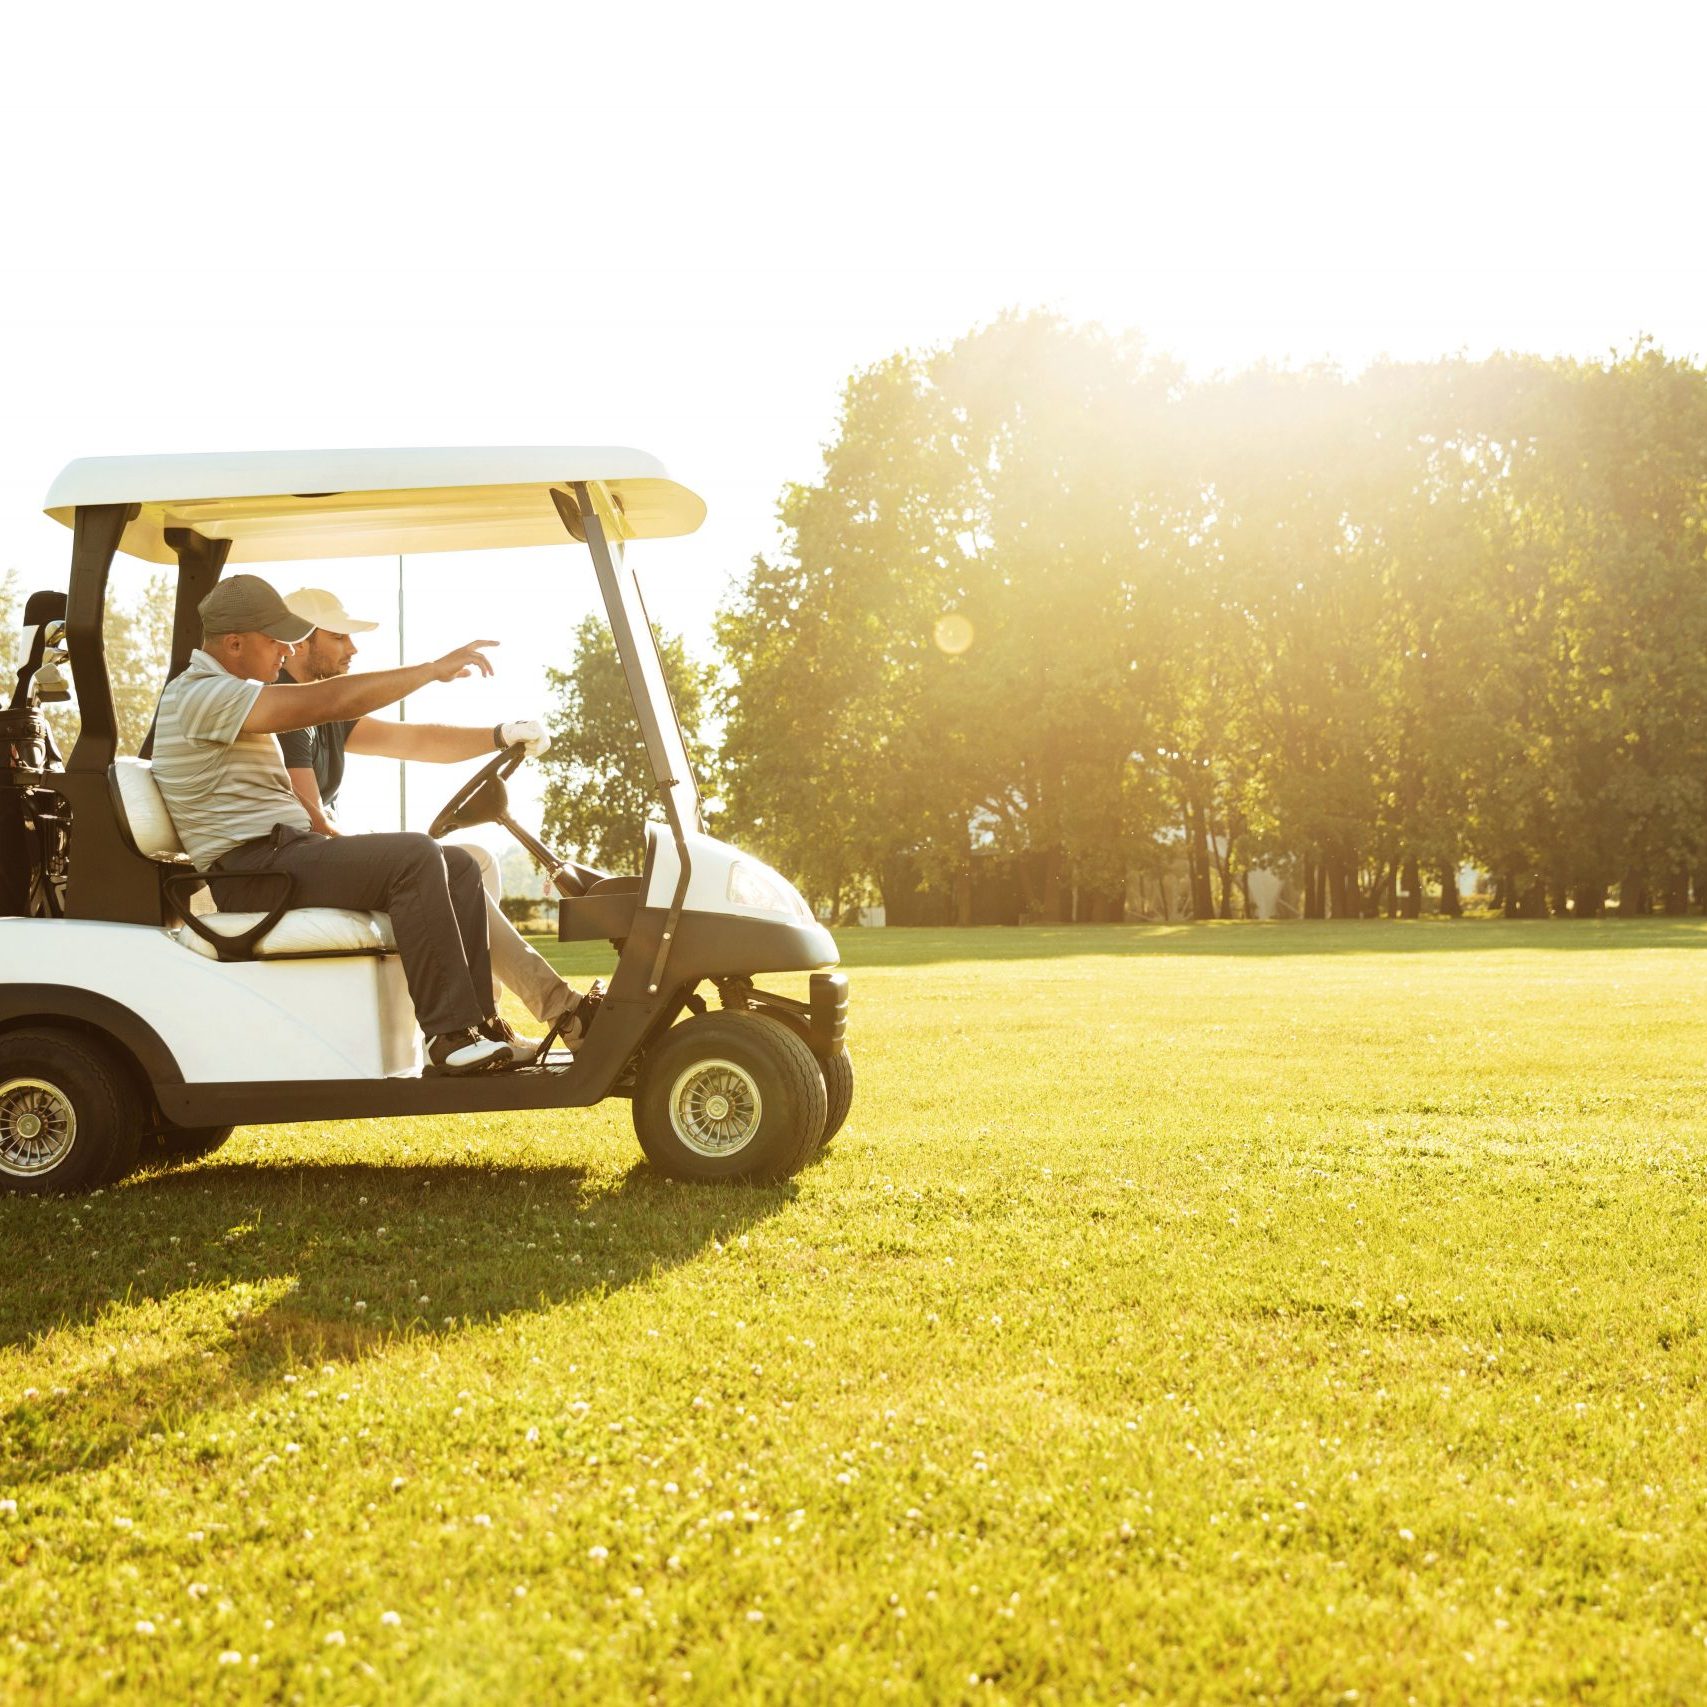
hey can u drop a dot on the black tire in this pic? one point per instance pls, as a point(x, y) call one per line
point(837, 1070)
point(729, 1096)
point(838, 1090)
point(190, 1143)
point(70, 1114)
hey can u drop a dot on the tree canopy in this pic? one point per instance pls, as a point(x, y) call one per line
point(1052, 612)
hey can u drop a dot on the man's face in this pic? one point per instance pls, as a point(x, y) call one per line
point(324, 655)
point(255, 657)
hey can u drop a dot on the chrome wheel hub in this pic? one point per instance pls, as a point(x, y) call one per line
point(715, 1108)
point(37, 1127)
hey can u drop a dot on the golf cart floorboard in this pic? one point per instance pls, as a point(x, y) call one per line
point(284, 1102)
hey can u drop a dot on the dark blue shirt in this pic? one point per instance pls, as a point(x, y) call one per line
point(320, 749)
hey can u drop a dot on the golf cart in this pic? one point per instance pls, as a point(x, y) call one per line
point(136, 1018)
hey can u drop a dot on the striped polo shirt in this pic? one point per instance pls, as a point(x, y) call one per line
point(221, 786)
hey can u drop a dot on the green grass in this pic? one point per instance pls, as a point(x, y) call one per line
point(1235, 1312)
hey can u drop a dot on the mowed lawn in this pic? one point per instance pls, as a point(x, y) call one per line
point(1230, 1312)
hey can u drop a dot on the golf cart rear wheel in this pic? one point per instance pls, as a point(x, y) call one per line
point(190, 1143)
point(729, 1096)
point(69, 1114)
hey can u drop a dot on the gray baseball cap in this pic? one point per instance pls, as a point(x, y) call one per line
point(245, 604)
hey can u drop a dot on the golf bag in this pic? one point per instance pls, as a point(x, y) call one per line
point(34, 830)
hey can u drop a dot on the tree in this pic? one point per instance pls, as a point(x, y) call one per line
point(1048, 606)
point(599, 788)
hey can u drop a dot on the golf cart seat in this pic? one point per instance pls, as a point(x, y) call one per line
point(298, 933)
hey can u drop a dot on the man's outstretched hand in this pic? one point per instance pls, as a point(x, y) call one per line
point(464, 661)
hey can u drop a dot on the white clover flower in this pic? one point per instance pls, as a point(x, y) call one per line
point(398, 1482)
point(8, 1508)
point(145, 1626)
point(334, 1638)
point(230, 1657)
point(598, 1553)
point(482, 1521)
point(391, 1618)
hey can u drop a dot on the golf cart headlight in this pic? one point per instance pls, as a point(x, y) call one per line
point(752, 886)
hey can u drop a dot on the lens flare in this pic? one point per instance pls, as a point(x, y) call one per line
point(953, 634)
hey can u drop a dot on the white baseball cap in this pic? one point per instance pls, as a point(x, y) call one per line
point(316, 605)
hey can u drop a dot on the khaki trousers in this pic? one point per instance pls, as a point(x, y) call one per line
point(515, 965)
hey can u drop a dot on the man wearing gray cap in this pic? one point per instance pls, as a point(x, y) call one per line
point(220, 771)
point(314, 759)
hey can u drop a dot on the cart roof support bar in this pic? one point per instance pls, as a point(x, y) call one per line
point(95, 534)
point(584, 515)
point(642, 666)
point(200, 561)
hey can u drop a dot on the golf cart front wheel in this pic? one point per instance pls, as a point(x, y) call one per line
point(729, 1096)
point(69, 1115)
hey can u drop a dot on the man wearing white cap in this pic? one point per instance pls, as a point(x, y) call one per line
point(314, 759)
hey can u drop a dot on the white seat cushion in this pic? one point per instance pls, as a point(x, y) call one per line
point(303, 930)
point(143, 811)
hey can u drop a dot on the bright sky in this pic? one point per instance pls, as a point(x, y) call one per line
point(682, 227)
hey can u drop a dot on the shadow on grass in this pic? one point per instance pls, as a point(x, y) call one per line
point(239, 1273)
point(919, 946)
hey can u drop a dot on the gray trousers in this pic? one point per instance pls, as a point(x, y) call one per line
point(434, 895)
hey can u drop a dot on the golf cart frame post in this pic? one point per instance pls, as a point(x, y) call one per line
point(664, 948)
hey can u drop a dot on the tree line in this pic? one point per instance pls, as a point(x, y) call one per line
point(1052, 617)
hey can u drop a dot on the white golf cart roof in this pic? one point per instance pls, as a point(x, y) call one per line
point(275, 506)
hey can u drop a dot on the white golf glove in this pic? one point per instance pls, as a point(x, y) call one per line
point(529, 731)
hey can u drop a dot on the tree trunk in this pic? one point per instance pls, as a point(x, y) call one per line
point(1413, 899)
point(1633, 895)
point(1451, 902)
point(1508, 897)
point(963, 898)
point(1223, 870)
point(1312, 886)
point(1386, 885)
point(1561, 898)
point(1677, 893)
point(1202, 898)
point(1588, 900)
point(1051, 906)
point(1342, 887)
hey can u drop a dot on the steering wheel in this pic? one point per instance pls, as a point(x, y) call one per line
point(483, 799)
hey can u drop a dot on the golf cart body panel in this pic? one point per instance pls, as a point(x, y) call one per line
point(336, 1016)
point(223, 1034)
point(281, 506)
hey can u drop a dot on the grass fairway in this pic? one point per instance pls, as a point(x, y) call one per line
point(1230, 1312)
